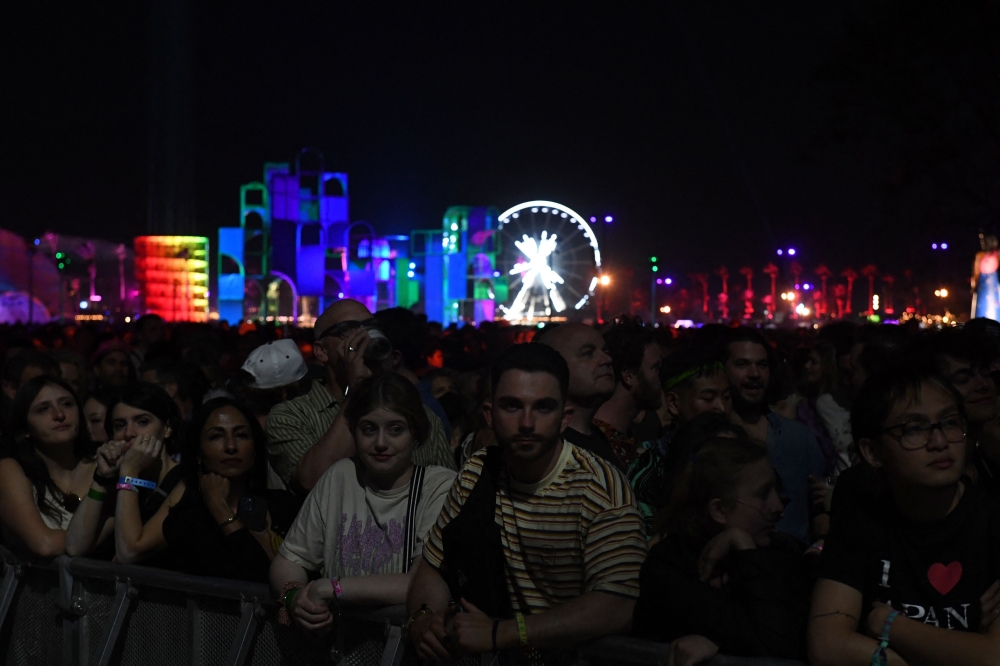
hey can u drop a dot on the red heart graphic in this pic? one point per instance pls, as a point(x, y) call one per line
point(945, 578)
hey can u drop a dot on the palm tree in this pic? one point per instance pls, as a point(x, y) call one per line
point(772, 270)
point(870, 271)
point(851, 276)
point(824, 274)
point(747, 272)
point(891, 281)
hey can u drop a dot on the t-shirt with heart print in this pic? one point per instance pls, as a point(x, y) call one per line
point(932, 572)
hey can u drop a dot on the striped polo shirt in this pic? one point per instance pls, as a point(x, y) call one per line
point(295, 425)
point(578, 530)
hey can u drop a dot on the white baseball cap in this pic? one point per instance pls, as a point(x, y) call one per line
point(275, 364)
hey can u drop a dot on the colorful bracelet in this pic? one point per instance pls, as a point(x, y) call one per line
point(141, 483)
point(126, 486)
point(522, 628)
point(338, 591)
point(879, 658)
point(96, 495)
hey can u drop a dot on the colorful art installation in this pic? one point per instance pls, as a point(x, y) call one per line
point(172, 272)
point(296, 250)
point(985, 283)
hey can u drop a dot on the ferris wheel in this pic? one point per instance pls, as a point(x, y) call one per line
point(551, 257)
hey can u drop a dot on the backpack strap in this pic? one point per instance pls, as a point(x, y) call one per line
point(412, 506)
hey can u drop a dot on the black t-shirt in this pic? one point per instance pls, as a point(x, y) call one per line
point(934, 572)
point(596, 443)
point(647, 432)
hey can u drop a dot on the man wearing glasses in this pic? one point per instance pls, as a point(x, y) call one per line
point(306, 435)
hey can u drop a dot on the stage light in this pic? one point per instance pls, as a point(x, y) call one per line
point(84, 305)
point(941, 293)
point(944, 246)
point(128, 319)
point(665, 309)
point(608, 219)
point(659, 281)
point(784, 296)
point(934, 246)
point(605, 280)
point(802, 310)
point(791, 251)
point(38, 242)
point(340, 295)
point(807, 286)
point(668, 281)
point(875, 302)
point(409, 274)
point(412, 265)
point(496, 273)
point(780, 252)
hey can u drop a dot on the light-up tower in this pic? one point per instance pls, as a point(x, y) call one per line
point(172, 272)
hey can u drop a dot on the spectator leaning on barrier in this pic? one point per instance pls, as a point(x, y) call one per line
point(539, 542)
point(305, 435)
point(145, 431)
point(722, 580)
point(591, 382)
point(792, 449)
point(50, 467)
point(227, 524)
point(636, 360)
point(926, 542)
point(362, 527)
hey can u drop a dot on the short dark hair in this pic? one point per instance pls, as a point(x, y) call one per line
point(680, 369)
point(191, 451)
point(959, 344)
point(743, 334)
point(530, 357)
point(14, 367)
point(882, 390)
point(394, 392)
point(627, 340)
point(153, 399)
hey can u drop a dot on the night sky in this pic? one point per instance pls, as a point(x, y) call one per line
point(693, 124)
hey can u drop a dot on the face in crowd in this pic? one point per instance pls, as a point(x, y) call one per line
point(528, 414)
point(94, 412)
point(338, 321)
point(749, 372)
point(591, 377)
point(112, 371)
point(128, 422)
point(708, 393)
point(755, 507)
point(922, 443)
point(384, 443)
point(976, 387)
point(53, 418)
point(227, 446)
point(647, 379)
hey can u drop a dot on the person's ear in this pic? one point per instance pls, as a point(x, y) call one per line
point(488, 413)
point(867, 449)
point(568, 410)
point(9, 390)
point(320, 352)
point(171, 389)
point(397, 360)
point(167, 432)
point(628, 379)
point(672, 401)
point(717, 511)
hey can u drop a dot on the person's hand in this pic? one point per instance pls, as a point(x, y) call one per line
point(470, 632)
point(716, 550)
point(990, 602)
point(429, 638)
point(144, 451)
point(109, 458)
point(309, 610)
point(351, 351)
point(691, 650)
point(876, 619)
point(215, 493)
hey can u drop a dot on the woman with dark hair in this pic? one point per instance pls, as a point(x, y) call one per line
point(722, 579)
point(227, 524)
point(49, 469)
point(145, 429)
point(908, 573)
point(362, 526)
point(95, 411)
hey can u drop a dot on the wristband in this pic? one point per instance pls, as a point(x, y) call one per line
point(338, 591)
point(522, 629)
point(96, 495)
point(106, 482)
point(140, 483)
point(126, 486)
point(879, 657)
point(285, 598)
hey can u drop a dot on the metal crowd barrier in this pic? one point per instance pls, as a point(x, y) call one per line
point(80, 612)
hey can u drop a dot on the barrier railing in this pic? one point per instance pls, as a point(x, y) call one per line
point(80, 612)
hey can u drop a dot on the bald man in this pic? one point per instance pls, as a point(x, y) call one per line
point(307, 435)
point(591, 382)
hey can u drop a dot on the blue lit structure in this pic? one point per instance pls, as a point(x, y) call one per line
point(296, 250)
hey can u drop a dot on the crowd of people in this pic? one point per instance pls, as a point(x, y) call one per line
point(828, 495)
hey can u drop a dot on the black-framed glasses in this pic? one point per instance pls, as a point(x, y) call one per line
point(915, 435)
point(345, 327)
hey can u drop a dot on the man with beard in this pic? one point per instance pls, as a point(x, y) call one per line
point(539, 543)
point(792, 448)
point(635, 357)
point(591, 382)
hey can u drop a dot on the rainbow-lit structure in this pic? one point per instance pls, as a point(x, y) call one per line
point(296, 250)
point(172, 272)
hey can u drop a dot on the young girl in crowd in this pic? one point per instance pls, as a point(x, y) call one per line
point(49, 469)
point(721, 579)
point(906, 576)
point(227, 523)
point(95, 411)
point(362, 527)
point(144, 426)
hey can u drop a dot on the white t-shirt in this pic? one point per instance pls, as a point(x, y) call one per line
point(837, 422)
point(348, 528)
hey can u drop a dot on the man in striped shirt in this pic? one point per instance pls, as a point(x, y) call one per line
point(569, 540)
